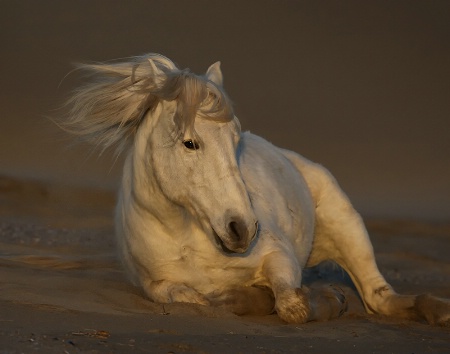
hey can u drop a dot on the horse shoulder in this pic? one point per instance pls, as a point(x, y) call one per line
point(279, 194)
point(317, 177)
point(272, 168)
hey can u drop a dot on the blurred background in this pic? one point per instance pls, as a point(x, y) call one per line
point(362, 87)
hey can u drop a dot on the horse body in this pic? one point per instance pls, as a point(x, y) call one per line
point(213, 216)
point(169, 242)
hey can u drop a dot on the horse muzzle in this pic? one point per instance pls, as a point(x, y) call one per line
point(238, 236)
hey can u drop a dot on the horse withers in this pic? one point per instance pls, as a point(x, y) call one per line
point(213, 216)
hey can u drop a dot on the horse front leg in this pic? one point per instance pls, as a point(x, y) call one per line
point(166, 291)
point(295, 303)
point(244, 300)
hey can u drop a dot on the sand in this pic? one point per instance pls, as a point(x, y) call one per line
point(62, 289)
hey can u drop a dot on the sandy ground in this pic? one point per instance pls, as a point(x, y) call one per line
point(62, 289)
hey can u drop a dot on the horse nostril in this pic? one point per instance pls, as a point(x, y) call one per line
point(235, 230)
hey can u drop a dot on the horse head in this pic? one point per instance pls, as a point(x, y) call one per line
point(197, 166)
point(191, 138)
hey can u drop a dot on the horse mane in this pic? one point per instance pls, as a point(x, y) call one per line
point(110, 109)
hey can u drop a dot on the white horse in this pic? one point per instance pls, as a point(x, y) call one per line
point(212, 216)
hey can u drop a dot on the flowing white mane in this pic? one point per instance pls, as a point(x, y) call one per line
point(111, 107)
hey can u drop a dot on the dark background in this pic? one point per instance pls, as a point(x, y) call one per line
point(363, 87)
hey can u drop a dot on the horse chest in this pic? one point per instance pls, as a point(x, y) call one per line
point(207, 269)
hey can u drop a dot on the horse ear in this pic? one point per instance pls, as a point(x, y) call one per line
point(155, 69)
point(214, 74)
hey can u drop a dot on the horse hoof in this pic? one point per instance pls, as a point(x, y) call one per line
point(327, 302)
point(435, 310)
point(341, 299)
point(292, 306)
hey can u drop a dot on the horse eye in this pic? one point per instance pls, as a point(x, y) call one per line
point(191, 144)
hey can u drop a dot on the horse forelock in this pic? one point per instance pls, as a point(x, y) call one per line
point(111, 108)
point(195, 95)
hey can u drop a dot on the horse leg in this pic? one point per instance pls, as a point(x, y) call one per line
point(165, 292)
point(341, 236)
point(245, 300)
point(295, 304)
